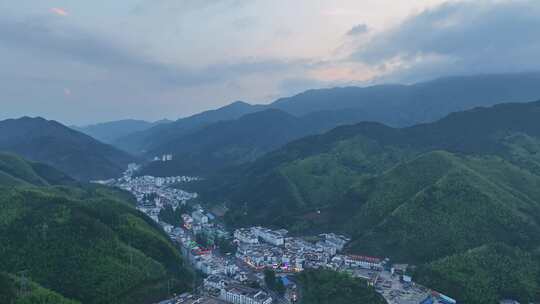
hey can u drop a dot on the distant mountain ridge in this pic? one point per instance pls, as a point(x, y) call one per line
point(406, 105)
point(446, 195)
point(243, 140)
point(52, 143)
point(393, 105)
point(147, 140)
point(108, 132)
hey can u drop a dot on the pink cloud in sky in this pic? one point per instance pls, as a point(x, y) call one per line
point(67, 92)
point(59, 11)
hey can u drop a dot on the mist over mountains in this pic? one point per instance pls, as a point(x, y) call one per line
point(270, 152)
point(223, 137)
point(108, 132)
point(407, 171)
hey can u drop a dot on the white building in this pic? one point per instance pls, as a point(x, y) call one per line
point(246, 236)
point(238, 294)
point(214, 281)
point(199, 217)
point(269, 236)
point(363, 262)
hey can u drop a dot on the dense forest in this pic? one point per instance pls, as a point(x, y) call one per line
point(330, 287)
point(485, 275)
point(85, 242)
point(417, 194)
point(49, 142)
point(17, 290)
point(240, 132)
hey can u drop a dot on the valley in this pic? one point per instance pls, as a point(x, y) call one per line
point(270, 152)
point(236, 258)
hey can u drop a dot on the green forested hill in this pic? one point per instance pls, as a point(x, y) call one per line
point(440, 204)
point(484, 275)
point(14, 290)
point(15, 170)
point(84, 242)
point(72, 152)
point(324, 171)
point(331, 287)
point(240, 133)
point(417, 195)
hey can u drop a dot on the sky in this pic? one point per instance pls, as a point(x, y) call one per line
point(81, 62)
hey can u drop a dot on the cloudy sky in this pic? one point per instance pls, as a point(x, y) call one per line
point(91, 61)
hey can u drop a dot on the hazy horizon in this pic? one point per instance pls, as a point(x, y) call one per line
point(79, 63)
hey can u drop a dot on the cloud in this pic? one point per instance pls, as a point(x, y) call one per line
point(358, 30)
point(69, 44)
point(54, 69)
point(59, 11)
point(187, 6)
point(459, 38)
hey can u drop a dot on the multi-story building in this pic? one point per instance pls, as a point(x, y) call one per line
point(239, 294)
point(214, 281)
point(199, 217)
point(269, 236)
point(246, 236)
point(363, 262)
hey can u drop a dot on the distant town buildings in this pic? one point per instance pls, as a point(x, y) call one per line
point(199, 217)
point(163, 158)
point(258, 248)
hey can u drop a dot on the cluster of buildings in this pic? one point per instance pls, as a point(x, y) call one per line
point(163, 158)
point(233, 292)
point(258, 248)
point(265, 248)
point(154, 193)
point(188, 298)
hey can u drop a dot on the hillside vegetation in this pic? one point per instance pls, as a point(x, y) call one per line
point(417, 195)
point(241, 133)
point(14, 290)
point(70, 151)
point(485, 275)
point(84, 242)
point(109, 132)
point(330, 287)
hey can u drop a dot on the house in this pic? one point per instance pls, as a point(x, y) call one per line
point(199, 217)
point(239, 294)
point(363, 262)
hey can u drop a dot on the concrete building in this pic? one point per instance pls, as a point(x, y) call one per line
point(269, 236)
point(246, 236)
point(199, 217)
point(239, 294)
point(363, 262)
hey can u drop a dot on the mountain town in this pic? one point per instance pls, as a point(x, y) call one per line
point(229, 277)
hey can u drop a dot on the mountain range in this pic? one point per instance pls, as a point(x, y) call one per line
point(70, 151)
point(147, 140)
point(109, 132)
point(425, 194)
point(65, 242)
point(223, 136)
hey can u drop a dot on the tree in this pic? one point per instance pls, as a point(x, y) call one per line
point(225, 246)
point(273, 282)
point(280, 287)
point(270, 278)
